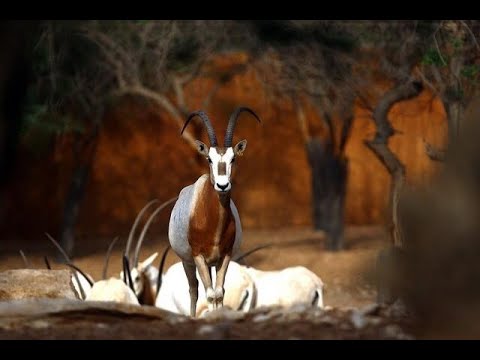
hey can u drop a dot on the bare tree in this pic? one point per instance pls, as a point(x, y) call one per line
point(67, 99)
point(390, 51)
point(311, 68)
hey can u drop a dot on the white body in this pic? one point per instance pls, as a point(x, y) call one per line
point(174, 295)
point(112, 290)
point(287, 287)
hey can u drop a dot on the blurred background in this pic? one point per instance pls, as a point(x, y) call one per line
point(352, 112)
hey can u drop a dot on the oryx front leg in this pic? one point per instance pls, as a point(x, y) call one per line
point(190, 271)
point(204, 272)
point(222, 267)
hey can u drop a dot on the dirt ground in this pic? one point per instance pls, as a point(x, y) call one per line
point(348, 275)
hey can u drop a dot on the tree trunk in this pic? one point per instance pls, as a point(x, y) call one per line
point(379, 147)
point(75, 196)
point(455, 112)
point(329, 178)
point(388, 260)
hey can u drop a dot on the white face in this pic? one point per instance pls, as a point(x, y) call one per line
point(136, 273)
point(221, 168)
point(137, 280)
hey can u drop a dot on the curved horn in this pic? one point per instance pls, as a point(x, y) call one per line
point(25, 260)
point(107, 258)
point(67, 259)
point(47, 263)
point(145, 228)
point(241, 257)
point(75, 267)
point(160, 270)
point(211, 132)
point(57, 245)
point(233, 121)
point(127, 275)
point(135, 224)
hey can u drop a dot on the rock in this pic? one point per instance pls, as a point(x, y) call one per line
point(371, 309)
point(262, 317)
point(33, 284)
point(44, 307)
point(223, 314)
point(358, 319)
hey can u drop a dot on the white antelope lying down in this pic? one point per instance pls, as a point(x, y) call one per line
point(287, 287)
point(104, 290)
point(248, 288)
point(174, 291)
point(113, 289)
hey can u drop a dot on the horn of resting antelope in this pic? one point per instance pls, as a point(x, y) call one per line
point(144, 274)
point(81, 283)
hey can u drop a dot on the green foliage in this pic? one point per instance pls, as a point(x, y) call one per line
point(433, 57)
point(471, 72)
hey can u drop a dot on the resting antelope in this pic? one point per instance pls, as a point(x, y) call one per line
point(103, 290)
point(205, 228)
point(287, 287)
point(112, 289)
point(144, 275)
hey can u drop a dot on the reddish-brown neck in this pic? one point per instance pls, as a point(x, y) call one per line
point(212, 226)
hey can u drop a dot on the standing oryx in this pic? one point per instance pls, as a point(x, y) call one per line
point(205, 228)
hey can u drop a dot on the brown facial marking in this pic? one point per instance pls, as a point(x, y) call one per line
point(146, 297)
point(204, 223)
point(221, 150)
point(222, 168)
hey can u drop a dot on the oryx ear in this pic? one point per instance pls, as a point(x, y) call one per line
point(147, 262)
point(240, 148)
point(202, 148)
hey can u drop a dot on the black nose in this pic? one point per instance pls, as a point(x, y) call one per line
point(222, 187)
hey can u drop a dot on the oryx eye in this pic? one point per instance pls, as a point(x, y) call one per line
point(209, 160)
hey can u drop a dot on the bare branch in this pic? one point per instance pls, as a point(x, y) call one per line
point(164, 103)
point(471, 34)
point(179, 94)
point(302, 121)
point(427, 82)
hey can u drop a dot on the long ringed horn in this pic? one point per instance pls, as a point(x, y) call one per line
point(211, 132)
point(233, 121)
